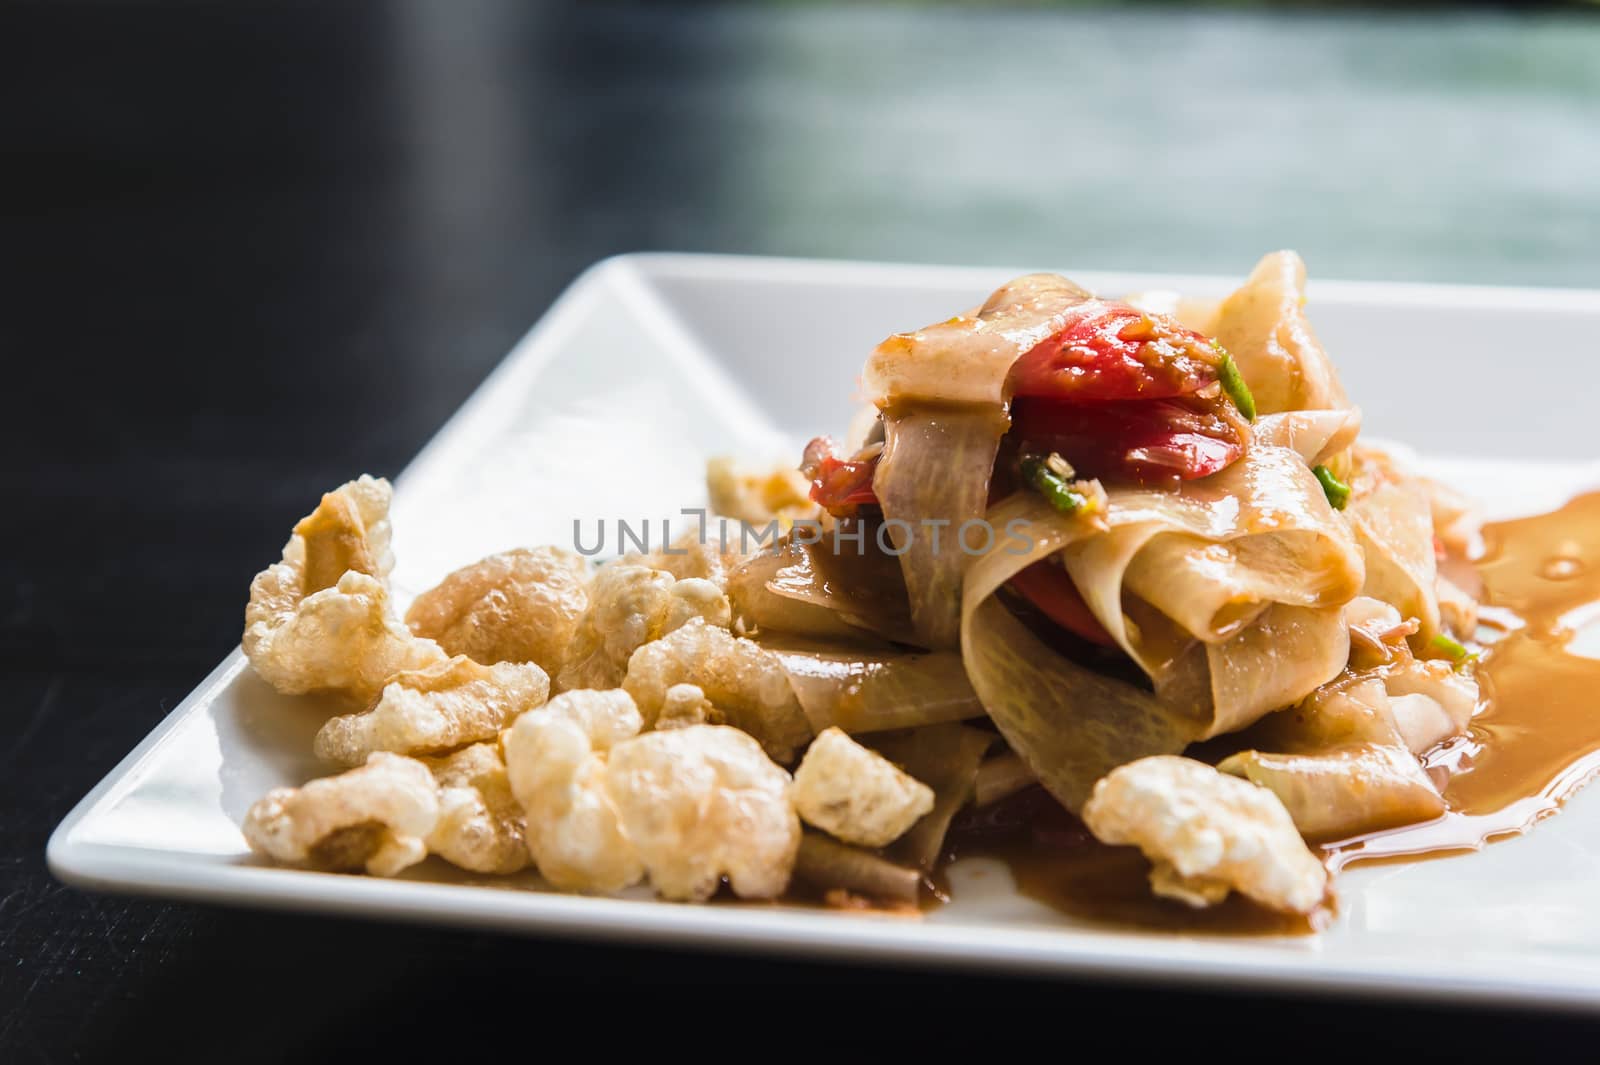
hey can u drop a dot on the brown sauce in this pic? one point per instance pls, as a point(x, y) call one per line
point(1054, 860)
point(1534, 743)
point(1110, 886)
point(1536, 740)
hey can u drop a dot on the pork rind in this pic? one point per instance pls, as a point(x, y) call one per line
point(343, 639)
point(711, 556)
point(747, 683)
point(1206, 833)
point(320, 620)
point(375, 818)
point(517, 606)
point(758, 495)
point(480, 826)
point(703, 802)
point(685, 705)
point(628, 607)
point(349, 530)
point(556, 759)
point(443, 706)
point(856, 794)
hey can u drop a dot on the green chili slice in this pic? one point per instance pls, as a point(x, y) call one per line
point(1232, 382)
point(1056, 489)
point(1451, 647)
point(1337, 491)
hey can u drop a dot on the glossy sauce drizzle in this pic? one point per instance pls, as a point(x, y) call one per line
point(1535, 742)
point(1537, 739)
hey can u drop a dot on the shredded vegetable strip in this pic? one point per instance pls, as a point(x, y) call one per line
point(946, 758)
point(1001, 777)
point(826, 863)
point(932, 480)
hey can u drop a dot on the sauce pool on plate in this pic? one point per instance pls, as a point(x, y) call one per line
point(1533, 743)
point(1536, 740)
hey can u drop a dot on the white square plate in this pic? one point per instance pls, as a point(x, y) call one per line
point(649, 364)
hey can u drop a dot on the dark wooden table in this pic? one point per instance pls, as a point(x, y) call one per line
point(247, 251)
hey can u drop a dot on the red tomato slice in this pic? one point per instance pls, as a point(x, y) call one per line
point(838, 485)
point(1140, 440)
point(1048, 587)
point(1110, 351)
point(1112, 392)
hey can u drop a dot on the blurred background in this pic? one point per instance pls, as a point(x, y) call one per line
point(248, 249)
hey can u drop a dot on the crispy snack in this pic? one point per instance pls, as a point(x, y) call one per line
point(758, 495)
point(712, 560)
point(628, 607)
point(1206, 833)
point(701, 802)
point(320, 620)
point(856, 794)
point(343, 639)
point(517, 606)
point(556, 759)
point(748, 684)
point(349, 530)
point(374, 818)
point(685, 705)
point(443, 706)
point(481, 824)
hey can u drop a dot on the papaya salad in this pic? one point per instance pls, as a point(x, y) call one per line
point(1113, 573)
